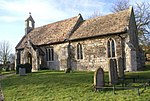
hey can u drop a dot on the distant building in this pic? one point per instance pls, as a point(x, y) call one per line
point(82, 44)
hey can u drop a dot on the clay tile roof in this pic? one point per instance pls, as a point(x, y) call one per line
point(109, 24)
point(58, 31)
point(51, 33)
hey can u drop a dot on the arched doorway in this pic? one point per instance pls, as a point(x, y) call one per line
point(29, 58)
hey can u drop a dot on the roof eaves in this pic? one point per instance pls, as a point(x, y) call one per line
point(102, 35)
point(20, 41)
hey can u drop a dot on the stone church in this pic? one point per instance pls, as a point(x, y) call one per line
point(82, 44)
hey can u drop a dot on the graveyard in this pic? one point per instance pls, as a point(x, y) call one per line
point(77, 85)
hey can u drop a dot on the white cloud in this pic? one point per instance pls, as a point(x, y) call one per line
point(41, 10)
point(9, 18)
point(85, 7)
point(14, 12)
point(51, 10)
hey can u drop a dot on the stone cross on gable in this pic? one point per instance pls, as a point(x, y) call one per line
point(29, 13)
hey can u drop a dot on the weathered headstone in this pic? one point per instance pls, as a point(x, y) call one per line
point(113, 75)
point(22, 71)
point(121, 68)
point(99, 78)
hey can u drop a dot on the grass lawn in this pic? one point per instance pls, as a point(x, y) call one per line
point(59, 86)
point(6, 72)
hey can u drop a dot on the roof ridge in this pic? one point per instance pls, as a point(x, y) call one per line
point(102, 25)
point(76, 27)
point(60, 28)
point(129, 9)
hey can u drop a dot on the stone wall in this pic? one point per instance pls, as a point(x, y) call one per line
point(60, 57)
point(94, 54)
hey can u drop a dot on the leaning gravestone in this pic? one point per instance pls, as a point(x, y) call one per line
point(113, 75)
point(99, 78)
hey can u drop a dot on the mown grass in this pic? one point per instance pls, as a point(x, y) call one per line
point(59, 86)
point(6, 72)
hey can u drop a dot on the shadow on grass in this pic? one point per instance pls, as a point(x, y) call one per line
point(145, 68)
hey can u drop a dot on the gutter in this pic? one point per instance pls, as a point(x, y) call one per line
point(103, 35)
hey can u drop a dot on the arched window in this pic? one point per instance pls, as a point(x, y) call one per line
point(30, 23)
point(108, 49)
point(50, 54)
point(29, 57)
point(79, 51)
point(111, 48)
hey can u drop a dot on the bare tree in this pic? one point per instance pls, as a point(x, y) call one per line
point(12, 58)
point(4, 52)
point(142, 17)
point(120, 5)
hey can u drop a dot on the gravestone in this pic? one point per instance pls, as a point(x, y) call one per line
point(22, 71)
point(99, 78)
point(113, 75)
point(121, 67)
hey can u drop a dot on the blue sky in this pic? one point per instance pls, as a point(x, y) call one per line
point(14, 12)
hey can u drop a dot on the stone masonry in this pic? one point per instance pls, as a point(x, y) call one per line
point(55, 45)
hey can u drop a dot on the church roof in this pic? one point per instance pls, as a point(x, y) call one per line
point(51, 33)
point(103, 25)
point(59, 31)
